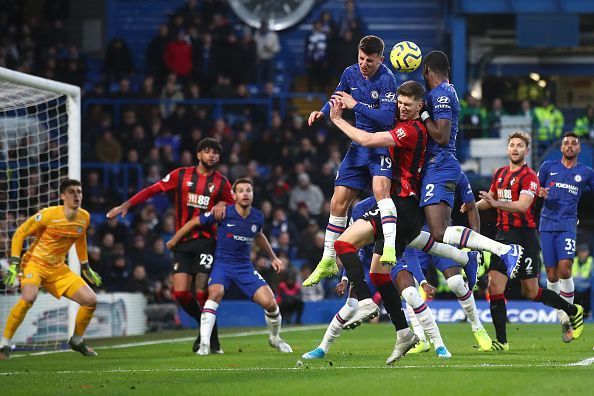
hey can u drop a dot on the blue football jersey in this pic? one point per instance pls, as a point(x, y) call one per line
point(235, 234)
point(376, 98)
point(464, 189)
point(566, 185)
point(443, 104)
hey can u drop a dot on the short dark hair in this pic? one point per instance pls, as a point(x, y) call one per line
point(372, 45)
point(570, 134)
point(411, 89)
point(67, 183)
point(209, 143)
point(438, 62)
point(243, 180)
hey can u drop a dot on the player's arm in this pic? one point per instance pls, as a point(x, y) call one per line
point(203, 219)
point(377, 139)
point(227, 198)
point(262, 242)
point(485, 203)
point(439, 130)
point(385, 114)
point(29, 227)
point(168, 183)
point(81, 251)
point(519, 206)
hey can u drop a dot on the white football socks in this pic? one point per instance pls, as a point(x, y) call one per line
point(464, 237)
point(207, 321)
point(334, 229)
point(273, 322)
point(425, 243)
point(466, 299)
point(414, 322)
point(388, 213)
point(346, 312)
point(411, 296)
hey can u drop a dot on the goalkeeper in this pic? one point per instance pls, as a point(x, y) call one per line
point(56, 229)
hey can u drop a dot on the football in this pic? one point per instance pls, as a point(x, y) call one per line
point(406, 56)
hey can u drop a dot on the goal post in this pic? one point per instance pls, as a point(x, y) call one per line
point(40, 123)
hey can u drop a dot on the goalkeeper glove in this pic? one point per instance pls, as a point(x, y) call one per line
point(91, 276)
point(14, 271)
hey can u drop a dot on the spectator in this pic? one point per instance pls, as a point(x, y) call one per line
point(494, 117)
point(204, 62)
point(316, 57)
point(113, 226)
point(473, 117)
point(283, 245)
point(119, 269)
point(582, 276)
point(139, 283)
point(584, 126)
point(155, 52)
point(138, 253)
point(288, 297)
point(549, 124)
point(267, 46)
point(108, 149)
point(159, 261)
point(170, 92)
point(308, 194)
point(526, 110)
point(178, 55)
point(118, 61)
point(350, 21)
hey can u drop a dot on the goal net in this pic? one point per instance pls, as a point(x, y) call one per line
point(39, 147)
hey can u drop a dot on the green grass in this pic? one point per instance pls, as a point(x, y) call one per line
point(536, 364)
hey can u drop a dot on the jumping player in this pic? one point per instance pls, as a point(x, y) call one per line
point(236, 235)
point(562, 184)
point(56, 229)
point(369, 89)
point(197, 190)
point(512, 193)
point(443, 169)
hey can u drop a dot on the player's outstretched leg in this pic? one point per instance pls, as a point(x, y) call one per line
point(334, 330)
point(13, 321)
point(76, 342)
point(389, 219)
point(574, 311)
point(425, 317)
point(466, 299)
point(464, 237)
point(423, 345)
point(367, 309)
point(470, 261)
point(567, 292)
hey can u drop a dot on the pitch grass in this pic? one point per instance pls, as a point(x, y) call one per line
point(538, 363)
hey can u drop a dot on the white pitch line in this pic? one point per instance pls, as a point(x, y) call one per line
point(253, 369)
point(176, 340)
point(585, 362)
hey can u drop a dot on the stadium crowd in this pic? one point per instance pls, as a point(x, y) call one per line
point(202, 52)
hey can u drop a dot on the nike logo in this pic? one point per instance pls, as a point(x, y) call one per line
point(554, 173)
point(230, 225)
point(353, 88)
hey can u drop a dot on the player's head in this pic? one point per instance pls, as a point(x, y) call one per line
point(208, 152)
point(518, 145)
point(371, 55)
point(243, 188)
point(570, 146)
point(410, 100)
point(436, 63)
point(71, 193)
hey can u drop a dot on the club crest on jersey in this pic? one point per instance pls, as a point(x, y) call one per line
point(79, 230)
point(374, 94)
point(254, 228)
point(29, 276)
point(577, 178)
point(175, 266)
point(211, 187)
point(512, 181)
point(38, 217)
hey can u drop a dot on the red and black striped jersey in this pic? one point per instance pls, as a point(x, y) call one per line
point(507, 187)
point(193, 194)
point(408, 157)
